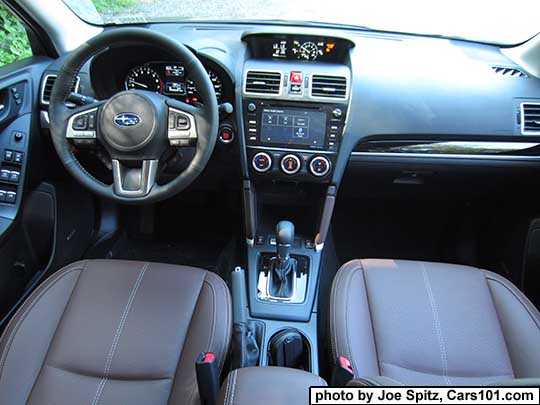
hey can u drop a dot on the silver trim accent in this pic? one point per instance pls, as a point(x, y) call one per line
point(2, 106)
point(299, 288)
point(313, 172)
point(290, 172)
point(190, 133)
point(147, 180)
point(319, 247)
point(44, 119)
point(46, 78)
point(281, 74)
point(445, 156)
point(522, 124)
point(261, 154)
point(326, 152)
point(80, 134)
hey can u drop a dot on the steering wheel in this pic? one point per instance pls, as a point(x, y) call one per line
point(136, 127)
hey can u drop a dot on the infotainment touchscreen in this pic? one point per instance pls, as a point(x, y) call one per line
point(289, 126)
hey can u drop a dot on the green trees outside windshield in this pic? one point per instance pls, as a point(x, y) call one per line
point(14, 43)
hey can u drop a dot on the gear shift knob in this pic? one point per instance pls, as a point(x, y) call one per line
point(284, 239)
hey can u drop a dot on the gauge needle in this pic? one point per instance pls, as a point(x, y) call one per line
point(140, 84)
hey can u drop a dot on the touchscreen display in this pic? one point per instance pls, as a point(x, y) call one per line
point(287, 126)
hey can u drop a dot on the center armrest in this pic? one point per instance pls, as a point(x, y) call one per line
point(268, 385)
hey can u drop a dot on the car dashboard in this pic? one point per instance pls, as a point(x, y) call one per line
point(311, 104)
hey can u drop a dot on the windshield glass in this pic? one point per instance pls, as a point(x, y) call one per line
point(496, 21)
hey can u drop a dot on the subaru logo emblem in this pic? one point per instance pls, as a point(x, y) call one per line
point(127, 119)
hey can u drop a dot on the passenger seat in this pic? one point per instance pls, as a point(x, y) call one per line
point(419, 323)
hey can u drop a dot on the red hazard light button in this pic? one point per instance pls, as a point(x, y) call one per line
point(296, 77)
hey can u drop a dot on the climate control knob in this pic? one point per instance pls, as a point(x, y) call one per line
point(290, 164)
point(262, 162)
point(319, 166)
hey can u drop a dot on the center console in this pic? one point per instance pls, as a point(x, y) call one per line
point(294, 103)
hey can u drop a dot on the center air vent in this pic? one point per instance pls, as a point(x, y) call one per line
point(329, 86)
point(509, 71)
point(261, 82)
point(48, 84)
point(530, 121)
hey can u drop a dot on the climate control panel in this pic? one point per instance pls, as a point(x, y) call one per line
point(287, 165)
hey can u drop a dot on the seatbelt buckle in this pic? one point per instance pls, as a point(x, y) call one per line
point(207, 371)
point(342, 373)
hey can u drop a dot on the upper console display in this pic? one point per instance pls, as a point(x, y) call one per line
point(298, 47)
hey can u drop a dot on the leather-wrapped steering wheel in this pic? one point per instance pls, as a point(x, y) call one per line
point(136, 127)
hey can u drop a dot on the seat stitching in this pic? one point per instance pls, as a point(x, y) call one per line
point(370, 316)
point(439, 375)
point(347, 312)
point(117, 335)
point(438, 329)
point(19, 321)
point(234, 386)
point(334, 338)
point(227, 389)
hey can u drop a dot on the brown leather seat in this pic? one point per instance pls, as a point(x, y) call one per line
point(268, 386)
point(115, 332)
point(419, 323)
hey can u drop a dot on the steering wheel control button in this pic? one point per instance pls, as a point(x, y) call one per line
point(226, 134)
point(319, 166)
point(80, 123)
point(262, 162)
point(182, 130)
point(290, 164)
point(182, 122)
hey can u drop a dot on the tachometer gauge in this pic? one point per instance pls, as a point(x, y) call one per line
point(144, 78)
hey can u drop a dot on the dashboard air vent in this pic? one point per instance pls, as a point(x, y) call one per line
point(261, 82)
point(509, 71)
point(48, 84)
point(530, 121)
point(329, 86)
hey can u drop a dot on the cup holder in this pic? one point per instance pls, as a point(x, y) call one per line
point(289, 348)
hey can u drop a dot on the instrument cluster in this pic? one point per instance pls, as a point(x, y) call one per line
point(170, 79)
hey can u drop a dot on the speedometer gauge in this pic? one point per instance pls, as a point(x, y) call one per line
point(144, 78)
point(193, 94)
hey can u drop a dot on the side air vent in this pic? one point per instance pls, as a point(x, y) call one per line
point(509, 71)
point(261, 82)
point(328, 86)
point(530, 118)
point(48, 84)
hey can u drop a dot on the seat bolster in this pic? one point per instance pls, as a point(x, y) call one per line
point(210, 330)
point(351, 328)
point(520, 324)
point(27, 338)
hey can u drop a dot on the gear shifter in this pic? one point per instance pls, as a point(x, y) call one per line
point(284, 266)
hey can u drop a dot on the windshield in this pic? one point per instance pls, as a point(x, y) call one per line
point(495, 21)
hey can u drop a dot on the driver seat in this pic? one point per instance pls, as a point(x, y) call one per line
point(115, 332)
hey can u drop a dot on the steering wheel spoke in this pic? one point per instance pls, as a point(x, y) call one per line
point(82, 122)
point(182, 127)
point(134, 181)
